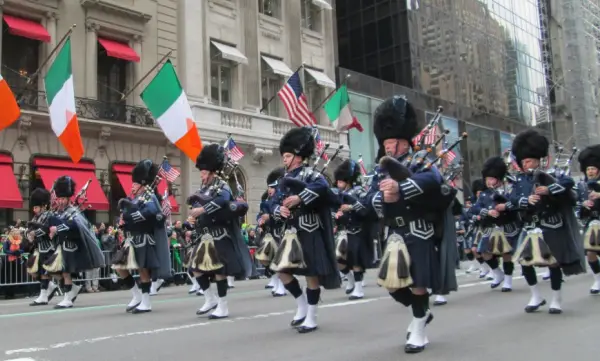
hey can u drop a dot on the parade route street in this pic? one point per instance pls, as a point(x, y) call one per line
point(477, 324)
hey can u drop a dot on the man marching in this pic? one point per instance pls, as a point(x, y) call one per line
point(551, 237)
point(411, 263)
point(589, 209)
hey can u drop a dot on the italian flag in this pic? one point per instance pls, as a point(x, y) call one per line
point(168, 104)
point(9, 109)
point(339, 112)
point(60, 95)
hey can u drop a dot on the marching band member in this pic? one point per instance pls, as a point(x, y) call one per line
point(307, 246)
point(271, 232)
point(38, 232)
point(77, 248)
point(589, 209)
point(412, 261)
point(354, 250)
point(498, 225)
point(221, 251)
point(550, 234)
point(477, 187)
point(148, 247)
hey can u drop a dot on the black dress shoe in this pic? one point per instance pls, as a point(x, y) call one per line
point(440, 303)
point(38, 304)
point(506, 289)
point(296, 323)
point(214, 317)
point(278, 294)
point(555, 311)
point(429, 319)
point(349, 291)
point(413, 349)
point(200, 313)
point(495, 285)
point(306, 329)
point(268, 287)
point(131, 308)
point(531, 309)
point(594, 292)
point(138, 311)
point(354, 298)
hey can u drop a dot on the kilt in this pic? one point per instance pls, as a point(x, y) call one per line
point(315, 255)
point(232, 264)
point(359, 254)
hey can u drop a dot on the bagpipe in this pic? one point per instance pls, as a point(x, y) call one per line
point(54, 263)
point(289, 254)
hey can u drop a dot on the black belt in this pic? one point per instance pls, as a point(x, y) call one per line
point(397, 222)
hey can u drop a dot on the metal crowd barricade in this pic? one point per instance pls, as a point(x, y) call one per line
point(14, 273)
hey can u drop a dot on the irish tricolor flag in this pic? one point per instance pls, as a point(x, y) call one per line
point(9, 110)
point(60, 95)
point(339, 112)
point(168, 104)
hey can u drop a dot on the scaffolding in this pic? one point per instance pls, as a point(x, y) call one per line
point(580, 20)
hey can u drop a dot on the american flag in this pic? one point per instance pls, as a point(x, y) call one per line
point(513, 160)
point(166, 204)
point(234, 152)
point(361, 163)
point(449, 157)
point(430, 138)
point(319, 144)
point(168, 172)
point(294, 100)
point(52, 198)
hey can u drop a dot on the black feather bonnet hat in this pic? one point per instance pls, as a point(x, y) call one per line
point(64, 187)
point(298, 141)
point(274, 175)
point(494, 167)
point(211, 158)
point(348, 171)
point(144, 172)
point(395, 118)
point(529, 144)
point(39, 197)
point(589, 157)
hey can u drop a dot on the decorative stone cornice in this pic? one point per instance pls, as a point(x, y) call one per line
point(23, 129)
point(171, 150)
point(258, 154)
point(110, 7)
point(103, 137)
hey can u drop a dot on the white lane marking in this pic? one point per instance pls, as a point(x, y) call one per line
point(21, 359)
point(202, 324)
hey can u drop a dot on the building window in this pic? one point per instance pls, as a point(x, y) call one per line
point(20, 59)
point(313, 93)
point(112, 84)
point(311, 15)
point(270, 8)
point(271, 84)
point(5, 219)
point(220, 83)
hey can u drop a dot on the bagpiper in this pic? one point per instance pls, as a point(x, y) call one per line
point(411, 205)
point(220, 250)
point(475, 235)
point(499, 227)
point(354, 248)
point(307, 247)
point(146, 247)
point(550, 236)
point(271, 232)
point(77, 248)
point(588, 209)
point(38, 232)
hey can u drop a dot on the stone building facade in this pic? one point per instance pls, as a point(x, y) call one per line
point(231, 56)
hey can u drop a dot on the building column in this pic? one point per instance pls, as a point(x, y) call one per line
point(91, 61)
point(138, 72)
point(1, 35)
point(191, 58)
point(251, 72)
point(51, 19)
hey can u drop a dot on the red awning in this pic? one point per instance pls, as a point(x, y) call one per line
point(123, 173)
point(119, 50)
point(26, 28)
point(51, 169)
point(10, 195)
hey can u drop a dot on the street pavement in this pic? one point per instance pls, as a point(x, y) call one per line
point(477, 324)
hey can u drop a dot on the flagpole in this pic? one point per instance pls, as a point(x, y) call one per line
point(58, 46)
point(145, 76)
point(331, 93)
point(274, 96)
